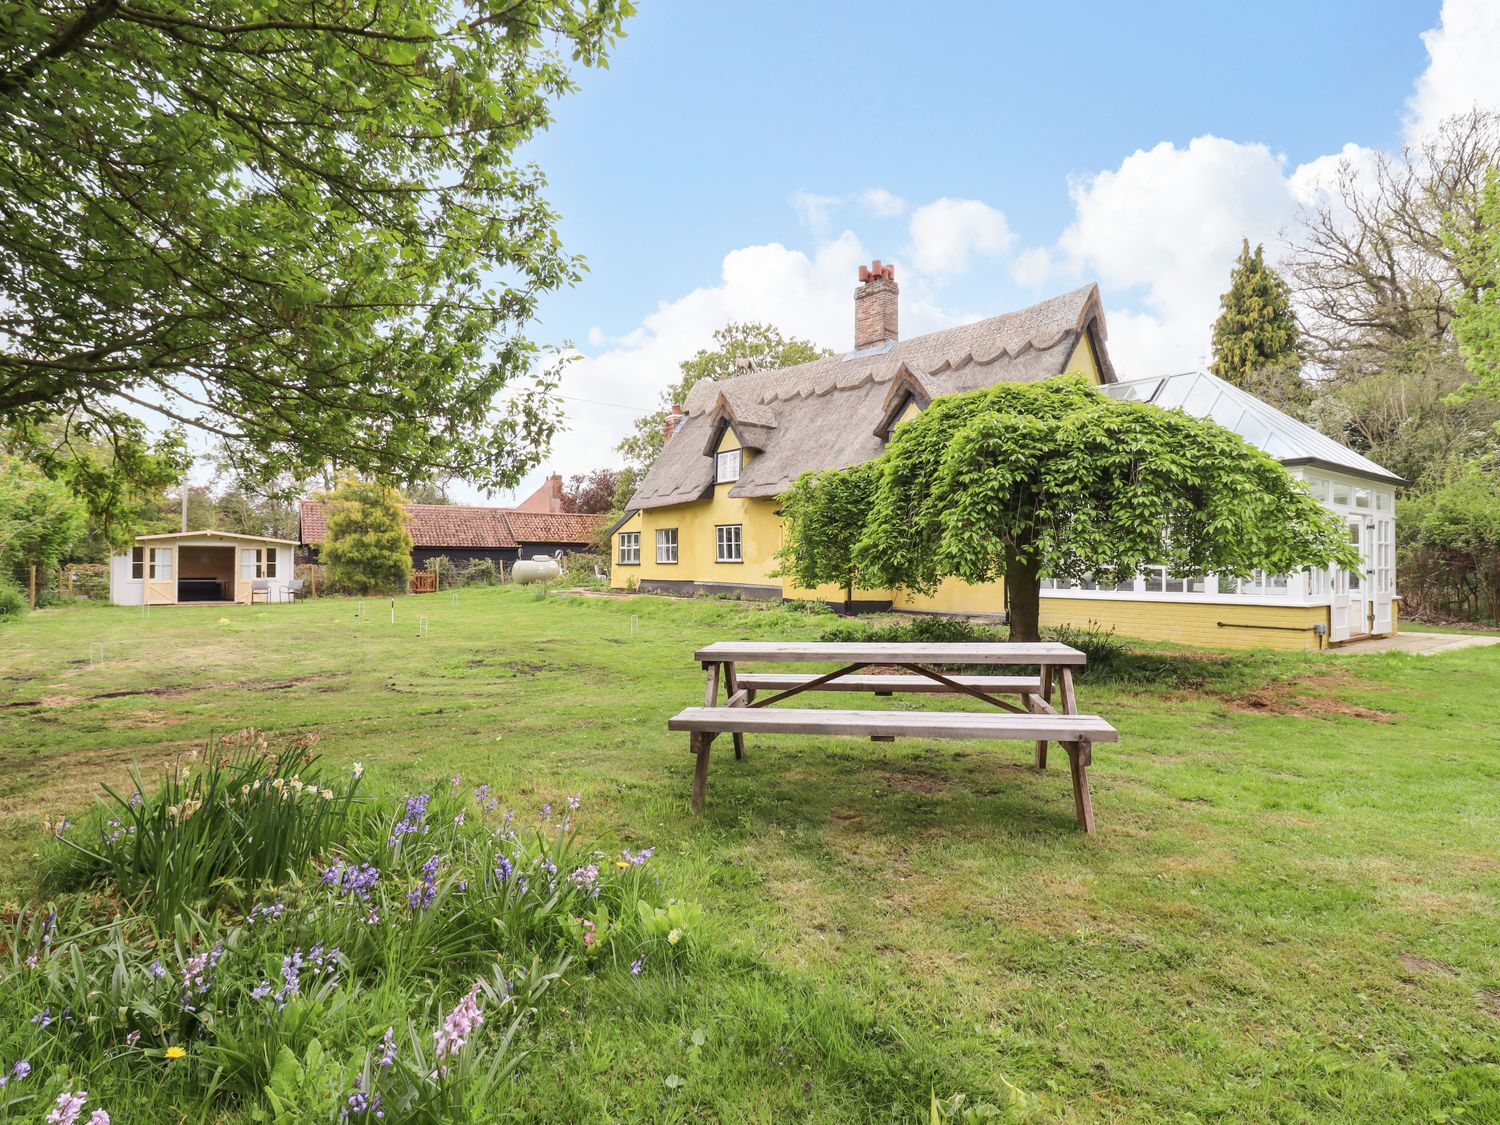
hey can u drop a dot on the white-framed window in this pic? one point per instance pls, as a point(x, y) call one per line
point(729, 543)
point(1382, 501)
point(727, 466)
point(1318, 486)
point(1361, 497)
point(1340, 493)
point(630, 549)
point(256, 562)
point(1259, 584)
point(161, 563)
point(1385, 561)
point(666, 544)
point(137, 563)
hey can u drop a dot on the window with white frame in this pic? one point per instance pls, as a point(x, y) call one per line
point(1318, 486)
point(666, 545)
point(137, 563)
point(727, 466)
point(1385, 562)
point(728, 543)
point(630, 548)
point(161, 563)
point(256, 562)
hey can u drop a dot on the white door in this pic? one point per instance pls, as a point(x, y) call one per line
point(1383, 576)
point(1360, 580)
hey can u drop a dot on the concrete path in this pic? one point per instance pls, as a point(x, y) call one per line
point(1423, 644)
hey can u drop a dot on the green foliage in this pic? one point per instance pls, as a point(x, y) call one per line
point(12, 598)
point(1476, 249)
point(760, 344)
point(368, 549)
point(926, 629)
point(1449, 539)
point(1056, 478)
point(1105, 651)
point(41, 521)
point(393, 975)
point(248, 813)
point(303, 229)
point(817, 547)
point(1256, 328)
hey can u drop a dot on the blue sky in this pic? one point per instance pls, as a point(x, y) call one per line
point(740, 162)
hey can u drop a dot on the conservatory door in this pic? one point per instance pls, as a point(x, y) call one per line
point(1383, 576)
point(1360, 579)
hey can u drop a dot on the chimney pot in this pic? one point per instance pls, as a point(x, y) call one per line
point(876, 305)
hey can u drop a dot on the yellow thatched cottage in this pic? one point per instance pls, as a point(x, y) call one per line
point(704, 519)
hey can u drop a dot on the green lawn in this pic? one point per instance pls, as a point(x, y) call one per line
point(1290, 911)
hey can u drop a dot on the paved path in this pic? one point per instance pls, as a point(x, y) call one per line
point(1423, 644)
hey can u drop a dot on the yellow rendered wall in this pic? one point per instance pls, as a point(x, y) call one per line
point(1083, 360)
point(1190, 623)
point(955, 596)
point(760, 538)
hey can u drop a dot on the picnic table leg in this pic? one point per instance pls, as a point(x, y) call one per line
point(1080, 754)
point(732, 685)
point(699, 741)
point(1041, 743)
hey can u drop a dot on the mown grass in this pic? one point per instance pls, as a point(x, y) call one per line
point(1289, 912)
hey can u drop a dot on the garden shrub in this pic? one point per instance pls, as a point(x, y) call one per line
point(924, 629)
point(396, 973)
point(1105, 651)
point(479, 572)
point(12, 598)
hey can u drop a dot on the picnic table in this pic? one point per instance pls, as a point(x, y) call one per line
point(1022, 703)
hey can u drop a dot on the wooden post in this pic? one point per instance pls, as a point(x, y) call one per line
point(1079, 756)
point(732, 685)
point(70, 580)
point(32, 585)
point(312, 575)
point(1045, 673)
point(699, 741)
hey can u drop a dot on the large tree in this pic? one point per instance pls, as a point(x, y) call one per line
point(736, 347)
point(41, 521)
point(1256, 329)
point(368, 549)
point(1476, 248)
point(592, 491)
point(299, 226)
point(1057, 479)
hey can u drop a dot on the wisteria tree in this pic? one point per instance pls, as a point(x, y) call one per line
point(1026, 480)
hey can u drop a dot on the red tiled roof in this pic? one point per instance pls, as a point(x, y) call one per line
point(453, 525)
point(554, 527)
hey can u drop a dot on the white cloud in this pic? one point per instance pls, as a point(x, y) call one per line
point(1463, 65)
point(1033, 268)
point(946, 232)
point(882, 203)
point(815, 211)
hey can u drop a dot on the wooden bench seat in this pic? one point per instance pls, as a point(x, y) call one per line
point(894, 724)
point(1076, 733)
point(890, 684)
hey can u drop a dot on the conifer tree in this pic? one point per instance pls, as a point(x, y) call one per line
point(1256, 328)
point(368, 549)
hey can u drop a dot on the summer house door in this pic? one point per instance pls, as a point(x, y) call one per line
point(161, 575)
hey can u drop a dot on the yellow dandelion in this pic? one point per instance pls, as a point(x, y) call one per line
point(622, 864)
point(175, 1052)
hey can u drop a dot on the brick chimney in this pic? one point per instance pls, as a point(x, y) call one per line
point(548, 498)
point(875, 303)
point(669, 423)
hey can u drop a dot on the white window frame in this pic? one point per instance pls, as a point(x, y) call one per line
point(137, 563)
point(729, 543)
point(629, 553)
point(666, 545)
point(727, 466)
point(160, 564)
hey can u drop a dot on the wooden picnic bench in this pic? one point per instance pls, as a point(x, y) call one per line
point(1032, 717)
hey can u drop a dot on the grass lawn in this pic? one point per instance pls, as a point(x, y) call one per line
point(1291, 910)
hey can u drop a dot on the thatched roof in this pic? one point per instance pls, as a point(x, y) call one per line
point(832, 413)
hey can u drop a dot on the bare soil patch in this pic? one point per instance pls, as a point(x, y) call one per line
point(1308, 697)
point(1423, 965)
point(1489, 1000)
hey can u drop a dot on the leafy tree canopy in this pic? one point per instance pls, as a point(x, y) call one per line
point(368, 549)
point(592, 491)
point(1054, 478)
point(301, 227)
point(41, 521)
point(1476, 247)
point(1256, 328)
point(734, 345)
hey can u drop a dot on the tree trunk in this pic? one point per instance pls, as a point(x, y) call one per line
point(1024, 586)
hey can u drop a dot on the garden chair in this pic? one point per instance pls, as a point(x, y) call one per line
point(261, 586)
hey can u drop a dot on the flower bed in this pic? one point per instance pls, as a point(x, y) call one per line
point(259, 937)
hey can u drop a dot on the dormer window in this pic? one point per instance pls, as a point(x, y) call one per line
point(727, 466)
